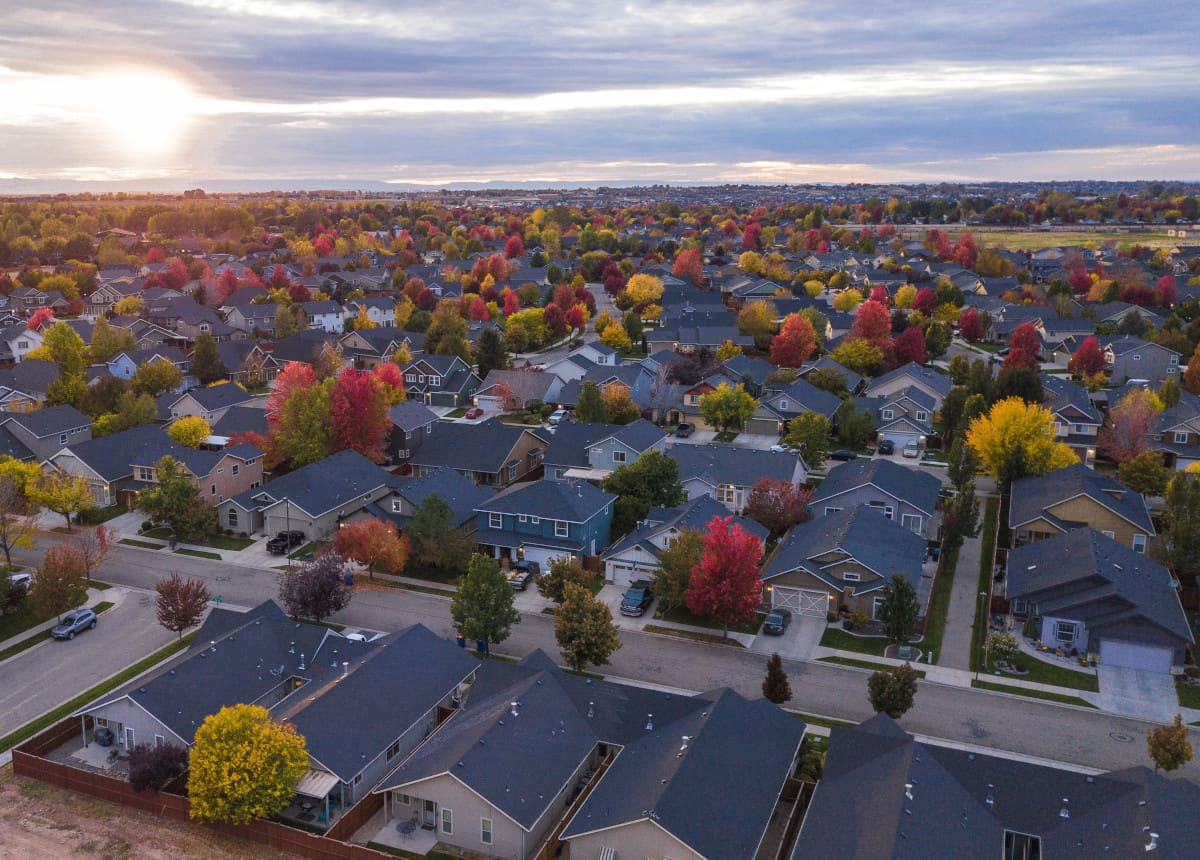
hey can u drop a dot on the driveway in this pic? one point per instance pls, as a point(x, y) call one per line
point(742, 440)
point(797, 642)
point(1136, 693)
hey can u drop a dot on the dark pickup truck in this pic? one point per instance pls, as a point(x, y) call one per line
point(637, 599)
point(285, 541)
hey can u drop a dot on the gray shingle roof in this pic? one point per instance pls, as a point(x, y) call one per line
point(410, 415)
point(51, 421)
point(13, 447)
point(724, 464)
point(572, 441)
point(1032, 495)
point(926, 375)
point(114, 456)
point(694, 515)
point(340, 479)
point(483, 447)
point(462, 494)
point(554, 500)
point(241, 419)
point(919, 489)
point(218, 396)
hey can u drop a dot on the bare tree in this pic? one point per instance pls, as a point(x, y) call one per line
point(316, 589)
point(17, 525)
point(181, 602)
point(93, 546)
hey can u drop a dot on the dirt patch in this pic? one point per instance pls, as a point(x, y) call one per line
point(41, 821)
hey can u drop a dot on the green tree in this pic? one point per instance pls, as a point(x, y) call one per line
point(676, 563)
point(59, 585)
point(133, 410)
point(632, 324)
point(854, 425)
point(434, 538)
point(553, 583)
point(490, 354)
point(590, 406)
point(287, 322)
point(301, 434)
point(102, 395)
point(447, 332)
point(1168, 392)
point(727, 408)
point(961, 464)
point(244, 766)
point(858, 354)
point(62, 493)
point(960, 518)
point(109, 340)
point(17, 525)
point(1169, 746)
point(175, 501)
point(808, 433)
point(775, 686)
point(1145, 474)
point(206, 361)
point(1181, 540)
point(156, 377)
point(482, 607)
point(584, 628)
point(63, 346)
point(899, 610)
point(893, 692)
point(650, 481)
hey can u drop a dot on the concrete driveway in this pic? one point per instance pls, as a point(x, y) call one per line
point(742, 440)
point(1136, 693)
point(798, 642)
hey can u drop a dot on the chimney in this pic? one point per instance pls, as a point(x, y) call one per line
point(649, 722)
point(1064, 812)
point(345, 668)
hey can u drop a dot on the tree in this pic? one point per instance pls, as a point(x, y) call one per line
point(777, 505)
point(893, 692)
point(808, 433)
point(175, 501)
point(130, 306)
point(725, 585)
point(644, 289)
point(152, 767)
point(1169, 746)
point(757, 320)
point(676, 563)
point(584, 629)
point(190, 431)
point(94, 546)
point(1024, 347)
point(970, 325)
point(857, 354)
point(1126, 431)
point(615, 337)
point(63, 346)
point(447, 332)
point(156, 377)
point(482, 607)
point(795, 342)
point(872, 323)
point(299, 430)
point(650, 481)
point(1015, 439)
point(315, 589)
point(206, 361)
point(854, 425)
point(373, 543)
point(619, 407)
point(960, 518)
point(590, 406)
point(180, 603)
point(433, 537)
point(632, 324)
point(1181, 548)
point(828, 379)
point(728, 350)
point(1019, 382)
point(18, 525)
point(1146, 474)
point(244, 766)
point(1088, 359)
point(490, 353)
point(1168, 392)
point(775, 687)
point(1191, 376)
point(899, 610)
point(909, 346)
point(62, 493)
point(358, 414)
point(727, 408)
point(59, 585)
point(108, 341)
point(562, 571)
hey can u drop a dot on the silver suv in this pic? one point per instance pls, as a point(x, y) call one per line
point(74, 622)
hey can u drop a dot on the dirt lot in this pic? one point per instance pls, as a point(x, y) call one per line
point(39, 821)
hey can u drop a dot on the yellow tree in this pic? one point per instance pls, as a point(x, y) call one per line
point(904, 296)
point(244, 766)
point(847, 300)
point(616, 337)
point(190, 431)
point(130, 306)
point(17, 526)
point(62, 493)
point(1016, 438)
point(644, 289)
point(728, 349)
point(362, 319)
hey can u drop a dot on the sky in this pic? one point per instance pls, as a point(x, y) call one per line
point(170, 94)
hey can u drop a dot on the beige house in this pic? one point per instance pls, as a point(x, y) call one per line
point(1046, 505)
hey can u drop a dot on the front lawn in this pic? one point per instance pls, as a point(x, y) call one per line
point(939, 605)
point(680, 615)
point(95, 516)
point(199, 553)
point(1189, 696)
point(19, 620)
point(455, 413)
point(835, 637)
point(1033, 694)
point(1058, 676)
point(313, 546)
point(725, 436)
point(144, 544)
point(216, 541)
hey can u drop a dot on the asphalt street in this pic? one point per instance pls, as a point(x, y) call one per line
point(1016, 725)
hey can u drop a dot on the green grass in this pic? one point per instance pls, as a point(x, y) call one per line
point(142, 543)
point(691, 634)
point(1189, 696)
point(98, 585)
point(835, 637)
point(312, 546)
point(95, 516)
point(198, 553)
point(1058, 676)
point(862, 664)
point(456, 413)
point(1032, 694)
point(19, 620)
point(233, 544)
point(939, 605)
point(725, 436)
point(987, 555)
point(53, 716)
point(680, 615)
point(827, 722)
point(102, 606)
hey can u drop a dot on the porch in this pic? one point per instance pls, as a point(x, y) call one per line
point(402, 833)
point(318, 802)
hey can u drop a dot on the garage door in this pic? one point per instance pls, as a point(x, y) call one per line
point(899, 439)
point(623, 574)
point(801, 601)
point(1134, 656)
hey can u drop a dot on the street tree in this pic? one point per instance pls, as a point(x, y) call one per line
point(482, 607)
point(315, 589)
point(899, 610)
point(94, 545)
point(562, 572)
point(18, 526)
point(1169, 746)
point(727, 408)
point(373, 543)
point(175, 501)
point(180, 603)
point(676, 563)
point(62, 493)
point(778, 504)
point(725, 585)
point(244, 766)
point(808, 434)
point(59, 585)
point(892, 692)
point(775, 687)
point(584, 628)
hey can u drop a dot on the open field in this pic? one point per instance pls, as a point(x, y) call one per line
point(1034, 240)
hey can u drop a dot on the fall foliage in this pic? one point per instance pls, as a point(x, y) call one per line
point(725, 585)
point(1016, 438)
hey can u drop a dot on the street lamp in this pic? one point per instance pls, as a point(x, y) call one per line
point(981, 619)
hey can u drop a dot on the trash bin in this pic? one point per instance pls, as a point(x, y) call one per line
point(462, 640)
point(349, 578)
point(481, 646)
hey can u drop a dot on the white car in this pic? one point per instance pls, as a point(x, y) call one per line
point(781, 449)
point(912, 449)
point(557, 417)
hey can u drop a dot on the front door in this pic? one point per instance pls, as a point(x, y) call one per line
point(429, 819)
point(128, 737)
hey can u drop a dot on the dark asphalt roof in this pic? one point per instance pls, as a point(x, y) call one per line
point(724, 464)
point(919, 489)
point(217, 396)
point(340, 479)
point(459, 492)
point(241, 419)
point(51, 421)
point(483, 447)
point(573, 441)
point(410, 415)
point(1031, 496)
point(114, 456)
point(694, 514)
point(553, 500)
point(926, 375)
point(13, 447)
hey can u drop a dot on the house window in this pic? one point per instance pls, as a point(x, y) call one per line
point(145, 474)
point(212, 490)
point(561, 528)
point(829, 511)
point(396, 506)
point(783, 404)
point(159, 742)
point(922, 416)
point(1174, 359)
point(420, 378)
point(1064, 631)
point(410, 377)
point(485, 831)
point(22, 344)
point(521, 518)
point(447, 820)
point(887, 414)
point(618, 456)
point(495, 521)
point(1077, 428)
point(875, 604)
point(560, 473)
point(912, 522)
point(435, 380)
point(512, 472)
point(62, 438)
point(232, 518)
point(1137, 356)
point(1021, 846)
point(1181, 437)
point(1139, 543)
point(727, 495)
point(535, 520)
point(393, 750)
point(851, 577)
point(403, 799)
point(1109, 534)
point(597, 451)
point(236, 468)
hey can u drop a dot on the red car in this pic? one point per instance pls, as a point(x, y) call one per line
point(474, 412)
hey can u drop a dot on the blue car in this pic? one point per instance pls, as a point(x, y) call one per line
point(74, 622)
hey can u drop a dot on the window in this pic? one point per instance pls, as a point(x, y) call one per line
point(875, 604)
point(410, 377)
point(560, 473)
point(447, 821)
point(618, 456)
point(393, 750)
point(403, 799)
point(144, 474)
point(1139, 543)
point(232, 518)
point(783, 404)
point(1077, 428)
point(358, 778)
point(236, 468)
point(1064, 631)
point(1137, 356)
point(159, 742)
point(512, 472)
point(485, 831)
point(1181, 437)
point(396, 506)
point(535, 520)
point(829, 511)
point(212, 490)
point(561, 528)
point(62, 438)
point(22, 344)
point(912, 522)
point(521, 518)
point(597, 451)
point(495, 521)
point(727, 495)
point(887, 414)
point(1021, 846)
point(435, 380)
point(922, 416)
point(851, 577)
point(420, 377)
point(1174, 359)
point(1109, 534)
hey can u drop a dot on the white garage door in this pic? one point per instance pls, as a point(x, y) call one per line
point(622, 574)
point(801, 601)
point(1133, 656)
point(899, 438)
point(543, 555)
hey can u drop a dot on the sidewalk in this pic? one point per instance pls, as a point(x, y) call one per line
point(964, 602)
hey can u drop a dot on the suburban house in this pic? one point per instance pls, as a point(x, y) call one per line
point(911, 375)
point(1084, 591)
point(238, 420)
point(412, 424)
point(842, 560)
point(312, 499)
point(903, 416)
point(543, 520)
point(46, 431)
point(253, 317)
point(1177, 436)
point(381, 310)
point(906, 496)
point(505, 390)
point(1130, 357)
point(884, 794)
point(1055, 503)
point(636, 555)
point(207, 402)
point(16, 341)
point(440, 380)
point(119, 466)
point(687, 339)
point(796, 398)
point(510, 453)
point(594, 451)
point(247, 362)
point(370, 347)
point(461, 494)
point(727, 474)
point(627, 770)
point(1077, 421)
point(325, 315)
point(23, 386)
point(576, 363)
point(306, 675)
point(125, 364)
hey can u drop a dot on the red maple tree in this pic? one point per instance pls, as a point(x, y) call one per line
point(374, 543)
point(970, 325)
point(725, 585)
point(358, 419)
point(1088, 359)
point(910, 346)
point(777, 505)
point(873, 324)
point(1024, 347)
point(688, 265)
point(514, 247)
point(925, 301)
point(794, 343)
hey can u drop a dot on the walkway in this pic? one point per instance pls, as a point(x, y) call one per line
point(964, 601)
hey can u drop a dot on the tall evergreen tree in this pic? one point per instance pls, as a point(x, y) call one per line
point(206, 361)
point(490, 354)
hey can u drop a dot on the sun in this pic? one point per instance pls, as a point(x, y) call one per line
point(144, 112)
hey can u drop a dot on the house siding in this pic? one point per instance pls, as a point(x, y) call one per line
point(1081, 510)
point(869, 495)
point(843, 599)
point(123, 714)
point(637, 839)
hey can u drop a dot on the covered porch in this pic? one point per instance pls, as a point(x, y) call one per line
point(319, 800)
point(404, 822)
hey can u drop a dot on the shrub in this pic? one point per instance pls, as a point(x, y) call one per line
point(152, 767)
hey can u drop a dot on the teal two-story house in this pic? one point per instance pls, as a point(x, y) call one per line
point(543, 520)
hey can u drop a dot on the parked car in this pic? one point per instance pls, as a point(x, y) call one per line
point(843, 454)
point(947, 492)
point(473, 413)
point(777, 622)
point(284, 542)
point(74, 622)
point(912, 449)
point(782, 449)
point(23, 579)
point(887, 446)
point(637, 599)
point(684, 429)
point(557, 417)
point(523, 573)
